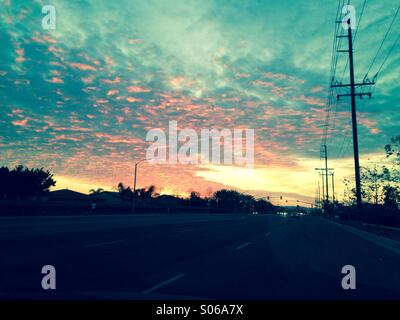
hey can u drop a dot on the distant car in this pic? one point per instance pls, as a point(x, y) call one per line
point(255, 212)
point(294, 215)
point(283, 213)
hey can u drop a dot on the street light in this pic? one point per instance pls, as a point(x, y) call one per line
point(134, 180)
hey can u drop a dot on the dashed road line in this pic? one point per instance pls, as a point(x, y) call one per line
point(103, 243)
point(243, 245)
point(164, 283)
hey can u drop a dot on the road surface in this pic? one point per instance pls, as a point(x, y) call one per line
point(192, 256)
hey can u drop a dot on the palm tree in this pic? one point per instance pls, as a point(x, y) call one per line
point(98, 191)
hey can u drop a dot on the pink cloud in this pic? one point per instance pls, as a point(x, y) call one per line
point(131, 99)
point(73, 128)
point(69, 138)
point(180, 81)
point(117, 139)
point(20, 123)
point(49, 40)
point(134, 41)
point(82, 66)
point(56, 63)
point(87, 79)
point(282, 76)
point(20, 53)
point(242, 75)
point(112, 92)
point(375, 131)
point(120, 119)
point(112, 81)
point(39, 39)
point(311, 101)
point(108, 61)
point(56, 80)
point(138, 89)
point(317, 89)
point(368, 123)
point(263, 83)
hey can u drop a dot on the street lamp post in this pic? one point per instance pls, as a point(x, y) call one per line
point(134, 185)
point(134, 179)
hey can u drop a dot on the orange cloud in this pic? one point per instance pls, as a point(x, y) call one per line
point(20, 123)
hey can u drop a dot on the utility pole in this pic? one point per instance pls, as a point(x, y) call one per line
point(353, 94)
point(333, 186)
point(323, 189)
point(326, 172)
point(325, 176)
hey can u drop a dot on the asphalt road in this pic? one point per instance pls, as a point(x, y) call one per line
point(193, 256)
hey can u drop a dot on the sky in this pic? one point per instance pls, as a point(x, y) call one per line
point(80, 99)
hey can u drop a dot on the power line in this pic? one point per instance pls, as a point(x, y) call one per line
point(386, 58)
point(336, 43)
point(383, 41)
point(390, 51)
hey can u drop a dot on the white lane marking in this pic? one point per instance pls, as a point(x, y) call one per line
point(103, 243)
point(164, 283)
point(267, 234)
point(243, 245)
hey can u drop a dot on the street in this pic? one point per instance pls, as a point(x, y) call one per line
point(192, 256)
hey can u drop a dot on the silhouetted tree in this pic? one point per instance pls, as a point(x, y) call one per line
point(391, 196)
point(22, 182)
point(232, 200)
point(264, 207)
point(393, 149)
point(195, 200)
point(96, 191)
point(125, 192)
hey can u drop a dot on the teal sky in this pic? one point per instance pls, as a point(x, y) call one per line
point(80, 99)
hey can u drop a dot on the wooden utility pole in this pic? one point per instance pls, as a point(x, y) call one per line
point(353, 94)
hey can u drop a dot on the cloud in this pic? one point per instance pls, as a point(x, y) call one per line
point(20, 123)
point(91, 89)
point(82, 66)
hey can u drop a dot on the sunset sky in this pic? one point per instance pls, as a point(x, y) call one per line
point(80, 99)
